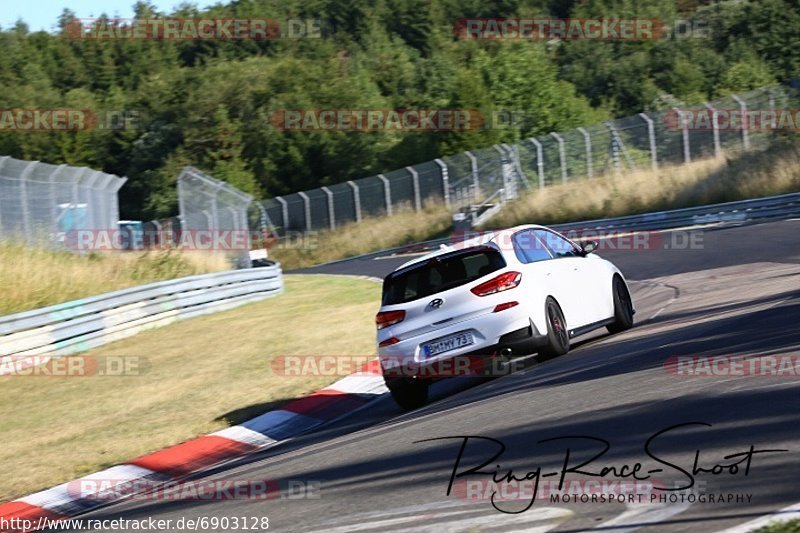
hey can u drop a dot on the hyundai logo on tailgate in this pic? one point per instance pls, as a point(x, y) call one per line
point(436, 304)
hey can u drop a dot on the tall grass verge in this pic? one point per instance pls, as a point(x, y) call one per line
point(371, 234)
point(37, 277)
point(729, 178)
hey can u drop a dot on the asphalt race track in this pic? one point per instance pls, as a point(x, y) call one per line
point(739, 294)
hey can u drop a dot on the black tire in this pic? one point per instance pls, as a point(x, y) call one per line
point(409, 394)
point(623, 307)
point(557, 332)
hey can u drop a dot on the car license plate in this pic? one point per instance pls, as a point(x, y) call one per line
point(446, 344)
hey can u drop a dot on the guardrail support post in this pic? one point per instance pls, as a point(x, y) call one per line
point(387, 193)
point(284, 213)
point(331, 214)
point(445, 181)
point(307, 209)
point(687, 156)
point(587, 139)
point(715, 129)
point(415, 182)
point(651, 135)
point(356, 199)
point(561, 156)
point(745, 121)
point(539, 160)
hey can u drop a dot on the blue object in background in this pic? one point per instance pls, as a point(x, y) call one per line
point(131, 234)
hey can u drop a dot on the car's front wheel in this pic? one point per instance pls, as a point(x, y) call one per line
point(623, 307)
point(557, 333)
point(408, 394)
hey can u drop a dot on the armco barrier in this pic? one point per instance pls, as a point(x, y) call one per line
point(758, 209)
point(79, 325)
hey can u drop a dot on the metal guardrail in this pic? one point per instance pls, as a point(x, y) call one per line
point(79, 325)
point(758, 209)
point(770, 207)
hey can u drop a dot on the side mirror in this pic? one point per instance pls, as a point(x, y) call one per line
point(588, 247)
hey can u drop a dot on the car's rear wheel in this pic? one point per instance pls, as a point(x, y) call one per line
point(408, 394)
point(557, 333)
point(623, 307)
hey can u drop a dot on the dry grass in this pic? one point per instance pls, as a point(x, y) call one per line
point(776, 171)
point(374, 233)
point(36, 277)
point(194, 381)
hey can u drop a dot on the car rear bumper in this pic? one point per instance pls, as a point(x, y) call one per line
point(471, 363)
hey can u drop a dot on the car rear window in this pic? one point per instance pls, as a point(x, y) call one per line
point(440, 273)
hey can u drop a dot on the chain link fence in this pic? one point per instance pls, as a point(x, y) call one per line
point(499, 173)
point(40, 204)
point(211, 206)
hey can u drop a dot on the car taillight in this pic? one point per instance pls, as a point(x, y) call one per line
point(503, 282)
point(384, 319)
point(389, 342)
point(503, 307)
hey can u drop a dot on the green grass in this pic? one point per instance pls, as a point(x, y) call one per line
point(791, 526)
point(197, 376)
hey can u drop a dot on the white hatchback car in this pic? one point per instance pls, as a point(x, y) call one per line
point(512, 292)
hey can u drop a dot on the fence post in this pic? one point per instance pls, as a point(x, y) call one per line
point(307, 209)
point(445, 181)
point(117, 186)
point(331, 214)
point(356, 199)
point(476, 185)
point(284, 213)
point(587, 139)
point(75, 182)
point(214, 225)
point(687, 156)
point(264, 223)
point(745, 121)
point(107, 216)
point(387, 193)
point(3, 161)
point(181, 199)
point(53, 196)
point(651, 135)
point(88, 184)
point(23, 189)
point(715, 128)
point(415, 182)
point(512, 151)
point(561, 156)
point(539, 161)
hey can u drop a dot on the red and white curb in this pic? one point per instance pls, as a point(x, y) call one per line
point(63, 501)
